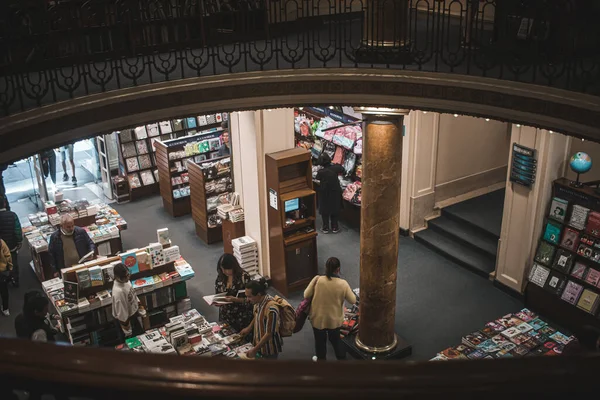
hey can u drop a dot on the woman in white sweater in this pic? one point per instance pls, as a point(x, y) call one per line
point(327, 308)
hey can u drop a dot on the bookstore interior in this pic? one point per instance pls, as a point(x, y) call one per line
point(191, 163)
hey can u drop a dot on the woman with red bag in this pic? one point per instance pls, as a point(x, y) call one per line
point(327, 308)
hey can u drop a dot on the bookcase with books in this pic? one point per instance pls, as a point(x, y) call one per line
point(564, 280)
point(172, 157)
point(83, 299)
point(137, 158)
point(211, 185)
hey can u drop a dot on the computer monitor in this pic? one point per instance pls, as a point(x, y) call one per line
point(292, 205)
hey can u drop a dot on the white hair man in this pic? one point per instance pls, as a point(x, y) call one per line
point(68, 244)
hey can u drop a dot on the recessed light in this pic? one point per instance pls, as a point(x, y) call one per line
point(582, 139)
point(331, 107)
point(518, 125)
point(269, 109)
point(455, 115)
point(424, 112)
point(302, 108)
point(362, 108)
point(550, 131)
point(487, 120)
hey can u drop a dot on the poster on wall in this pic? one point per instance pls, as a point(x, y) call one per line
point(523, 166)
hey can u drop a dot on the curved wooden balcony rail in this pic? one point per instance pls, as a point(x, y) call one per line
point(54, 50)
point(67, 372)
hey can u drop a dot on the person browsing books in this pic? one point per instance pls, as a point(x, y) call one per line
point(231, 279)
point(68, 245)
point(6, 266)
point(11, 233)
point(330, 193)
point(34, 322)
point(327, 308)
point(224, 150)
point(267, 341)
point(125, 305)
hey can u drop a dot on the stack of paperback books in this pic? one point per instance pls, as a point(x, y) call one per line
point(246, 252)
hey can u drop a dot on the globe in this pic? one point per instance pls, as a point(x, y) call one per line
point(580, 162)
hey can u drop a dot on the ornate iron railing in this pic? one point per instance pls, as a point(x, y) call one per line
point(57, 50)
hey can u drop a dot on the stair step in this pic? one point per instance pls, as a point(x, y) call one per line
point(483, 213)
point(458, 252)
point(466, 234)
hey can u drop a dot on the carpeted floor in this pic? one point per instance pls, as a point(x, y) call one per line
point(437, 301)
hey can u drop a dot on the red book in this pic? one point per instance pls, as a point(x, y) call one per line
point(593, 225)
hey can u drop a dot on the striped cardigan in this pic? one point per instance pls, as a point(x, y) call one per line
point(266, 320)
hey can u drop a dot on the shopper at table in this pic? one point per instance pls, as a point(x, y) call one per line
point(125, 304)
point(232, 279)
point(224, 150)
point(330, 193)
point(6, 266)
point(68, 245)
point(34, 323)
point(327, 308)
point(266, 340)
point(10, 232)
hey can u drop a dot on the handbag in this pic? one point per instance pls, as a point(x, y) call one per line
point(302, 312)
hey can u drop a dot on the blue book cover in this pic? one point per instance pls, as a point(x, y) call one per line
point(191, 122)
point(537, 324)
point(130, 261)
point(489, 346)
point(552, 233)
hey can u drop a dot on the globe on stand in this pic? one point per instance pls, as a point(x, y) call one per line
point(580, 163)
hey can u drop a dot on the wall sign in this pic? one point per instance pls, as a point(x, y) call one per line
point(273, 198)
point(524, 165)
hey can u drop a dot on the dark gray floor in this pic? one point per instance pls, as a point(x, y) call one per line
point(437, 301)
point(484, 211)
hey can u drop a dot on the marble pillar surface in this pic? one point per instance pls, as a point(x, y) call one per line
point(380, 214)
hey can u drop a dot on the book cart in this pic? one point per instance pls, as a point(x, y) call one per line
point(564, 281)
point(210, 184)
point(83, 300)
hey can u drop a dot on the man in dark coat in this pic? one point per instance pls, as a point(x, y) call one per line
point(330, 193)
point(11, 233)
point(68, 244)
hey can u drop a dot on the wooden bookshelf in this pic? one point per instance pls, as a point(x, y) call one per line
point(199, 202)
point(292, 247)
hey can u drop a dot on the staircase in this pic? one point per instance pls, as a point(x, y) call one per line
point(468, 232)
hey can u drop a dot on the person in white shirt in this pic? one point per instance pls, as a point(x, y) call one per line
point(125, 305)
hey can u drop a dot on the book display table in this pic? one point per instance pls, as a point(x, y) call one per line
point(104, 230)
point(82, 297)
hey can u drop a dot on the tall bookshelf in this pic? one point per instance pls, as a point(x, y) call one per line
point(137, 150)
point(204, 198)
point(172, 158)
point(292, 215)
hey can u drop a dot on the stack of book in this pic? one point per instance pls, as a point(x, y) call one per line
point(245, 251)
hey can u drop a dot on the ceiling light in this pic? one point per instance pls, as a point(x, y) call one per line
point(582, 139)
point(362, 108)
point(302, 108)
point(455, 115)
point(487, 120)
point(424, 112)
point(331, 107)
point(518, 125)
point(550, 131)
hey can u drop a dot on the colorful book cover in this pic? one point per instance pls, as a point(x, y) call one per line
point(570, 239)
point(547, 330)
point(489, 332)
point(579, 270)
point(520, 339)
point(537, 324)
point(71, 292)
point(593, 277)
point(83, 278)
point(474, 339)
point(563, 261)
point(588, 301)
point(524, 327)
point(587, 240)
point(558, 209)
point(191, 122)
point(552, 232)
point(526, 315)
point(579, 215)
point(476, 355)
point(511, 332)
point(561, 338)
point(96, 276)
point(497, 328)
point(545, 253)
point(539, 274)
point(593, 224)
point(463, 349)
point(489, 346)
point(130, 261)
point(505, 321)
point(572, 292)
point(499, 340)
point(520, 351)
point(556, 283)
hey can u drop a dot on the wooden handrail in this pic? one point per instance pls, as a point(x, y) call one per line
point(47, 368)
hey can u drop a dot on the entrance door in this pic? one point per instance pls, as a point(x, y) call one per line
point(39, 176)
point(104, 157)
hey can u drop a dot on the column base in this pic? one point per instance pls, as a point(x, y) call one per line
point(401, 350)
point(384, 54)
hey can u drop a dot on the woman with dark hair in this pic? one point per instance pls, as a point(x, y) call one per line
point(330, 193)
point(327, 308)
point(126, 307)
point(33, 323)
point(265, 325)
point(231, 278)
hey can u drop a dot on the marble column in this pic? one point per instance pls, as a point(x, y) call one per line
point(380, 215)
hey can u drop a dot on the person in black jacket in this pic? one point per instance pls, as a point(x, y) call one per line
point(330, 193)
point(68, 244)
point(11, 233)
point(33, 323)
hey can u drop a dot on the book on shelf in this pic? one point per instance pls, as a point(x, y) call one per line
point(83, 278)
point(71, 291)
point(140, 132)
point(588, 301)
point(552, 232)
point(570, 239)
point(165, 127)
point(153, 130)
point(96, 276)
point(539, 274)
point(545, 253)
point(526, 315)
point(537, 324)
point(163, 236)
point(579, 270)
point(579, 215)
point(593, 277)
point(558, 209)
point(593, 224)
point(572, 292)
point(556, 283)
point(130, 261)
point(563, 261)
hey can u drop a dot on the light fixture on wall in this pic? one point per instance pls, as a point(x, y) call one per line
point(424, 112)
point(268, 109)
point(518, 125)
point(582, 139)
point(487, 120)
point(455, 115)
point(551, 132)
point(331, 107)
point(362, 108)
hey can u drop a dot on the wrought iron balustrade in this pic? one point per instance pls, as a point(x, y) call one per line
point(57, 50)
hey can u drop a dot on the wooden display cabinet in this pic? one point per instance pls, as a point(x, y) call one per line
point(292, 246)
point(176, 207)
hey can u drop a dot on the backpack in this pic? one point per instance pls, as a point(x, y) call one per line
point(287, 316)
